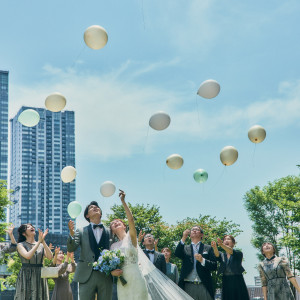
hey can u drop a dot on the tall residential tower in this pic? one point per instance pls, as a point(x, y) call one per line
point(3, 124)
point(38, 154)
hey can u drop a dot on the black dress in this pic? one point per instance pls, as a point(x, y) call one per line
point(233, 283)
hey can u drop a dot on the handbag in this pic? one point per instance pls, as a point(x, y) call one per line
point(49, 272)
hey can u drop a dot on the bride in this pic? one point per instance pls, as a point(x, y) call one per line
point(144, 280)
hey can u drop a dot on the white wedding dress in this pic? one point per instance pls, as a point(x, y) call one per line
point(144, 280)
point(135, 288)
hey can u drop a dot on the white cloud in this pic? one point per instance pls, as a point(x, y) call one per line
point(112, 112)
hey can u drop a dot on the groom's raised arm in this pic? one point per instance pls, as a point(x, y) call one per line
point(73, 239)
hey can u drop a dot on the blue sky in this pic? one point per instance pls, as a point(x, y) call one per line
point(157, 55)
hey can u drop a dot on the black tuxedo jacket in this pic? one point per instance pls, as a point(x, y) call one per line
point(235, 262)
point(159, 261)
point(185, 252)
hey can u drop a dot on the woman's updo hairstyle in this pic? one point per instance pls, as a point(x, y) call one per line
point(21, 230)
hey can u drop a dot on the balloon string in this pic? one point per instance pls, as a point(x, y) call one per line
point(253, 161)
point(76, 59)
point(197, 108)
point(164, 174)
point(218, 180)
point(146, 139)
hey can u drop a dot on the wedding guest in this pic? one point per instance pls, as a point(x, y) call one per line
point(198, 261)
point(62, 289)
point(30, 285)
point(171, 269)
point(274, 272)
point(12, 247)
point(233, 283)
point(155, 257)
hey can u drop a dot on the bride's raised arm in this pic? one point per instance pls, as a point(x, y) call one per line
point(132, 230)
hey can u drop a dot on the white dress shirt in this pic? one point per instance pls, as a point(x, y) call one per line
point(151, 256)
point(97, 232)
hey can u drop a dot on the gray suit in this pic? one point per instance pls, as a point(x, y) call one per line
point(90, 282)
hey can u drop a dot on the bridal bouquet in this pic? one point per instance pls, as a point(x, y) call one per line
point(108, 261)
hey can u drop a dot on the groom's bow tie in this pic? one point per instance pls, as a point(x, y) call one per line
point(150, 251)
point(97, 225)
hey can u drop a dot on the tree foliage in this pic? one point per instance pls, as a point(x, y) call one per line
point(275, 212)
point(4, 202)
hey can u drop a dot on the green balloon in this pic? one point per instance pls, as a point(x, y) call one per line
point(29, 117)
point(200, 175)
point(74, 209)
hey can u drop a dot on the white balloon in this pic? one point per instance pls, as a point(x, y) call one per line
point(95, 37)
point(29, 117)
point(209, 89)
point(228, 155)
point(107, 189)
point(256, 134)
point(160, 121)
point(55, 102)
point(174, 161)
point(68, 174)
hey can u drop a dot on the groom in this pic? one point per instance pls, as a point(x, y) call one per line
point(198, 260)
point(91, 239)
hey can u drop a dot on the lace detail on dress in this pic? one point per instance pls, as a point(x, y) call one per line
point(126, 247)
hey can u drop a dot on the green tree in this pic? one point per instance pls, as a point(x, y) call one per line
point(145, 217)
point(4, 202)
point(13, 265)
point(275, 212)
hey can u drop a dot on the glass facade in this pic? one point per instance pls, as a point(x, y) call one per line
point(38, 154)
point(3, 124)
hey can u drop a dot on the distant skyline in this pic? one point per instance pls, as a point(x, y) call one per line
point(157, 55)
point(4, 75)
point(38, 154)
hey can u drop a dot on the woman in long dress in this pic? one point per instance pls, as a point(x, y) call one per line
point(135, 288)
point(274, 272)
point(144, 280)
point(62, 289)
point(30, 285)
point(233, 283)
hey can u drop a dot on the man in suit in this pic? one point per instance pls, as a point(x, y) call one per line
point(158, 259)
point(92, 239)
point(198, 261)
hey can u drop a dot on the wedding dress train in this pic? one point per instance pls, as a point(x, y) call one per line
point(144, 280)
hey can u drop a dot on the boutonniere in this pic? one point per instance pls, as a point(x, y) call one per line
point(205, 252)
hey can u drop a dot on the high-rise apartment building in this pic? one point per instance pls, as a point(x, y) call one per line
point(3, 124)
point(38, 154)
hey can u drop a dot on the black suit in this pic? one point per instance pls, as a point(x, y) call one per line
point(159, 261)
point(185, 252)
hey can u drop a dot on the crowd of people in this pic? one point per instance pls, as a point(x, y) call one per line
point(149, 273)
